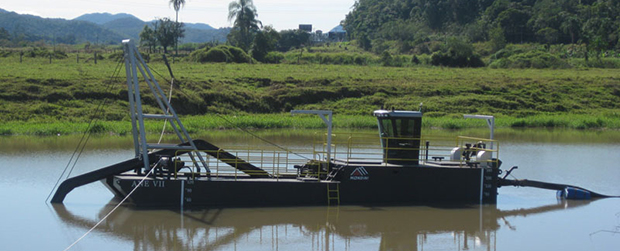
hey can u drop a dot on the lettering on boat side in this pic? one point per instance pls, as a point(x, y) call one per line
point(149, 183)
point(359, 173)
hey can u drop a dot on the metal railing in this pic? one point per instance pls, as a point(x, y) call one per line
point(346, 148)
point(351, 148)
point(276, 163)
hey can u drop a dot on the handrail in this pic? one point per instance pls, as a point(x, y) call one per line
point(350, 149)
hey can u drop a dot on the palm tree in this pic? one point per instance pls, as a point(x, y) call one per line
point(244, 14)
point(177, 4)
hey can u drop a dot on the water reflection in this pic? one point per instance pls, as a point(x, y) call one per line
point(315, 228)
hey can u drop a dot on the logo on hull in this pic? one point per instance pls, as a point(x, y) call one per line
point(359, 173)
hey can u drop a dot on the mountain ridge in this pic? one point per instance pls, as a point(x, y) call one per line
point(104, 17)
point(103, 28)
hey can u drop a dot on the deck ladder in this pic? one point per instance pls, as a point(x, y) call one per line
point(333, 193)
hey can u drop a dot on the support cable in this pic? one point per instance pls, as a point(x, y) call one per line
point(85, 136)
point(260, 138)
point(163, 130)
point(239, 128)
point(169, 97)
point(111, 211)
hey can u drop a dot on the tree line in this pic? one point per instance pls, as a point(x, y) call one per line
point(247, 33)
point(406, 24)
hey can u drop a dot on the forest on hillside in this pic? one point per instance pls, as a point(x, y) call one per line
point(409, 26)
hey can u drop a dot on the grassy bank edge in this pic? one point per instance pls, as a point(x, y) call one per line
point(199, 124)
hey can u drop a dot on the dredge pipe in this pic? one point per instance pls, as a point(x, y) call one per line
point(547, 185)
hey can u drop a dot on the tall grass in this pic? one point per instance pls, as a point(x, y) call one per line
point(205, 123)
point(39, 98)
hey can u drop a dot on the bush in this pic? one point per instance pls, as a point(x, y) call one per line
point(273, 57)
point(452, 59)
point(119, 56)
point(238, 55)
point(386, 58)
point(221, 53)
point(532, 59)
point(415, 60)
point(456, 53)
point(37, 52)
point(218, 55)
point(4, 53)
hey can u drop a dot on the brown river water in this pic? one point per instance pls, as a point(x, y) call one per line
point(522, 219)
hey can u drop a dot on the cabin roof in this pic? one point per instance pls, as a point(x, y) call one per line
point(397, 114)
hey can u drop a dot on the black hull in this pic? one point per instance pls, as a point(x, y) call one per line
point(377, 185)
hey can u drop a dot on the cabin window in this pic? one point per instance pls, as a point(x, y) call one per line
point(387, 130)
point(405, 128)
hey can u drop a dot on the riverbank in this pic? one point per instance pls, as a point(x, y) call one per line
point(205, 123)
point(40, 98)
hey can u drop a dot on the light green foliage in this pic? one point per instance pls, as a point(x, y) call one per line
point(531, 59)
point(221, 54)
point(40, 98)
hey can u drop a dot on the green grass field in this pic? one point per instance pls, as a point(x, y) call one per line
point(40, 98)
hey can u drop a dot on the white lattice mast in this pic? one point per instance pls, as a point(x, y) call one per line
point(134, 64)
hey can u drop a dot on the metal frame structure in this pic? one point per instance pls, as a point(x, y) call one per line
point(134, 63)
point(327, 121)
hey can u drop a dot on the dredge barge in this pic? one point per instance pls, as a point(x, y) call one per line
point(396, 167)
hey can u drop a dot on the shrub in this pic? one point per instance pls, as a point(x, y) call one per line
point(456, 53)
point(238, 55)
point(217, 55)
point(273, 57)
point(452, 59)
point(221, 53)
point(415, 60)
point(4, 53)
point(119, 56)
point(36, 52)
point(386, 58)
point(532, 59)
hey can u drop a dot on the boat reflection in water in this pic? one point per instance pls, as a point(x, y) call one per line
point(315, 228)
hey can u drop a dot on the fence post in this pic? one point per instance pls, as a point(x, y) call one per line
point(95, 57)
point(21, 55)
point(77, 57)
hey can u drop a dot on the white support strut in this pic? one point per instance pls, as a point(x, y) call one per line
point(328, 122)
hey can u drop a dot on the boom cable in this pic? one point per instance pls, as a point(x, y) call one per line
point(87, 133)
point(111, 211)
point(236, 126)
point(260, 138)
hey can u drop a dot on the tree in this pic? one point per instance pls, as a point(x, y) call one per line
point(497, 38)
point(4, 34)
point(570, 25)
point(547, 35)
point(245, 24)
point(292, 39)
point(599, 26)
point(147, 38)
point(166, 32)
point(514, 23)
point(264, 42)
point(177, 5)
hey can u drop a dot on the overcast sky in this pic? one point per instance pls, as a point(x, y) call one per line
point(281, 14)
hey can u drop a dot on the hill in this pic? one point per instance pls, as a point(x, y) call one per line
point(199, 26)
point(408, 26)
point(102, 28)
point(129, 27)
point(34, 28)
point(102, 18)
